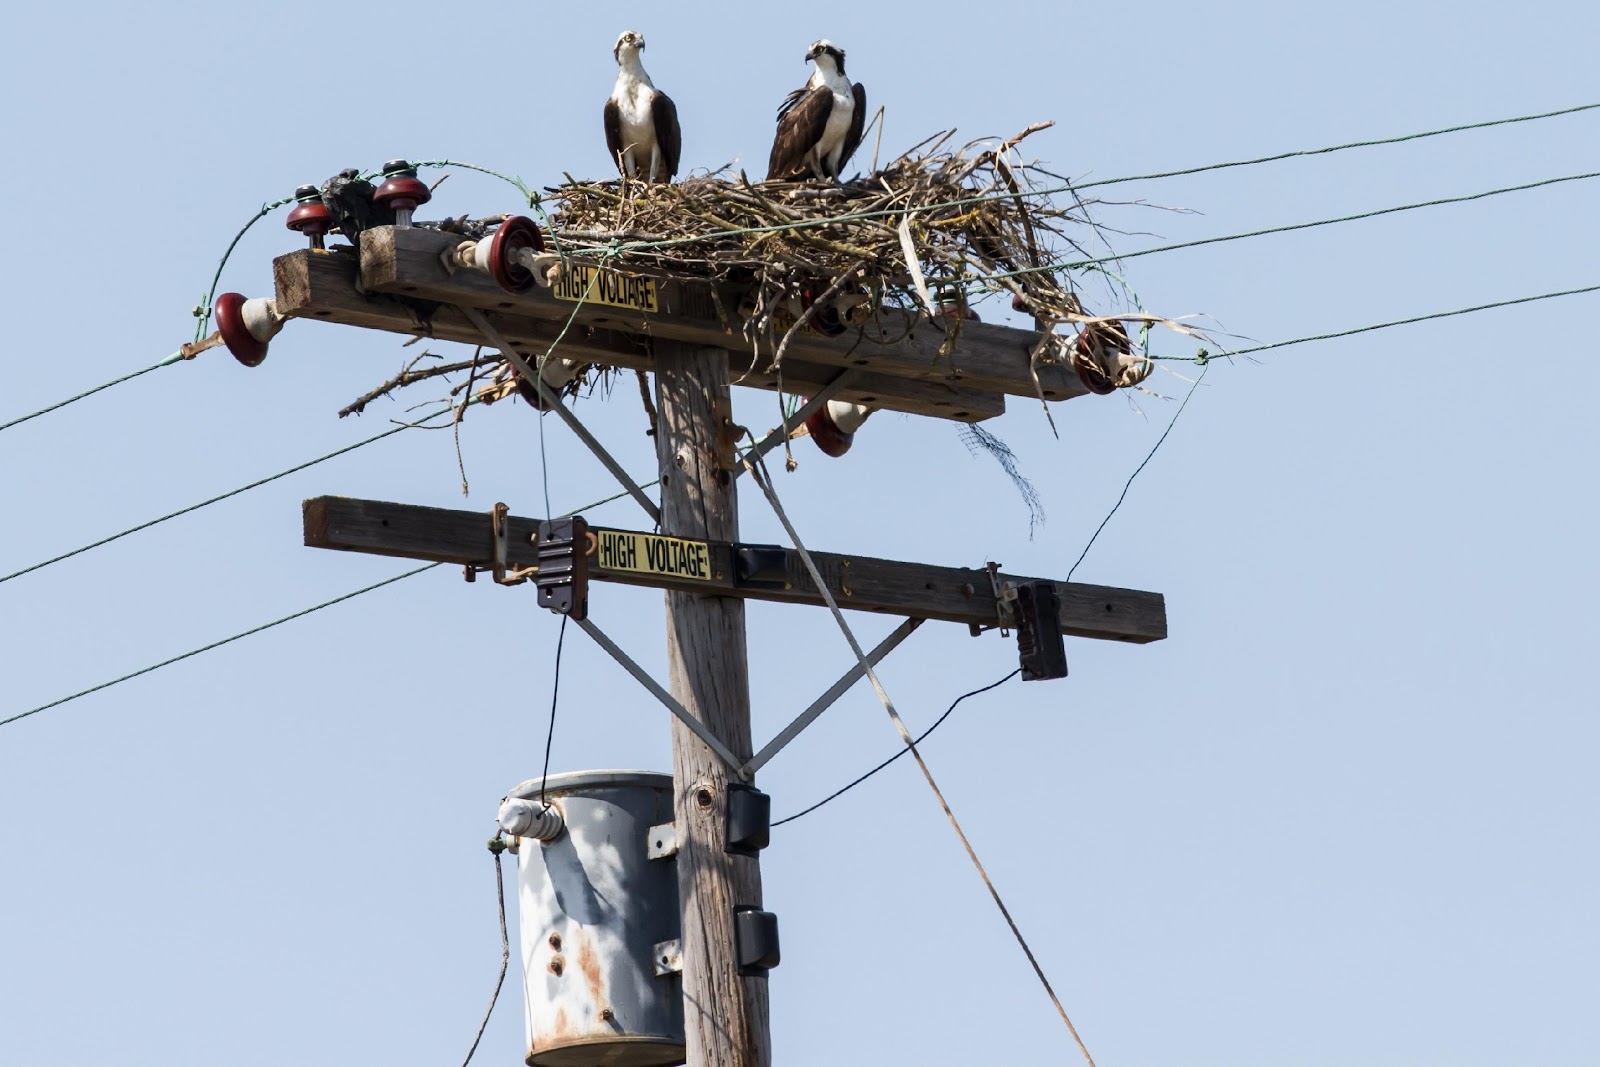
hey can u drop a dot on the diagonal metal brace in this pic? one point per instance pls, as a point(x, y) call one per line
point(553, 403)
point(666, 698)
point(808, 409)
point(825, 701)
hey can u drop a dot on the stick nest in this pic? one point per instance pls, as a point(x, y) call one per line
point(934, 226)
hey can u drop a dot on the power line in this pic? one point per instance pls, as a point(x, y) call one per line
point(210, 500)
point(218, 644)
point(1205, 358)
point(269, 625)
point(1337, 148)
point(1080, 263)
point(1152, 455)
point(174, 358)
point(919, 739)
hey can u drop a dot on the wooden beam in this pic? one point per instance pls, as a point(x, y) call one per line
point(988, 358)
point(916, 590)
point(323, 286)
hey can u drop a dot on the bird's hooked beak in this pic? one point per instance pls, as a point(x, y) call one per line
point(812, 54)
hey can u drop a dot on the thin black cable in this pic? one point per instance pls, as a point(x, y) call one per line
point(840, 792)
point(505, 946)
point(218, 644)
point(1337, 148)
point(1129, 483)
point(555, 697)
point(1384, 325)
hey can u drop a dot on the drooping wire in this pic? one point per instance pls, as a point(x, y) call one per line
point(203, 312)
point(555, 698)
point(497, 846)
point(900, 752)
point(1151, 455)
point(176, 357)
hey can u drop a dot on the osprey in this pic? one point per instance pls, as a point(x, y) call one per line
point(641, 121)
point(819, 124)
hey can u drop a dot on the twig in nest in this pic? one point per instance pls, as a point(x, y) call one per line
point(404, 378)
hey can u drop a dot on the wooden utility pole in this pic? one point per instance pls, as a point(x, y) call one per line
point(412, 281)
point(725, 1016)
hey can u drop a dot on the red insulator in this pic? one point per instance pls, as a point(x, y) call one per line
point(825, 320)
point(1098, 346)
point(516, 233)
point(310, 216)
point(826, 433)
point(955, 308)
point(401, 190)
point(1020, 303)
point(245, 346)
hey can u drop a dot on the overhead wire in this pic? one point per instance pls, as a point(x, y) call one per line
point(176, 357)
point(203, 312)
point(1430, 317)
point(264, 626)
point(837, 793)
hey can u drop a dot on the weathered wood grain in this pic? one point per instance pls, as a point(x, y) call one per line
point(324, 286)
point(987, 358)
point(950, 594)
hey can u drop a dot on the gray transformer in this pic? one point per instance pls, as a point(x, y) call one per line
point(599, 919)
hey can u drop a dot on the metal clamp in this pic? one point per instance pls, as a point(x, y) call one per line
point(499, 567)
point(1005, 601)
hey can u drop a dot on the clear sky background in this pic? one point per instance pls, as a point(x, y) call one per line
point(1344, 814)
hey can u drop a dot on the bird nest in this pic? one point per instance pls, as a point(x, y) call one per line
point(935, 231)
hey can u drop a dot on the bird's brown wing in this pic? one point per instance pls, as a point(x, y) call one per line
point(801, 120)
point(669, 137)
point(858, 123)
point(614, 132)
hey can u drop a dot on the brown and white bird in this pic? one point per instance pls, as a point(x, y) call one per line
point(641, 121)
point(819, 124)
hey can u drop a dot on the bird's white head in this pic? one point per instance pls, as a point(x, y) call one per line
point(824, 52)
point(630, 42)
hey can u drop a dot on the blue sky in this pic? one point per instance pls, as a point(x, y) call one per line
point(1344, 814)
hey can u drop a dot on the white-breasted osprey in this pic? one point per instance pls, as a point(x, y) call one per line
point(819, 124)
point(641, 120)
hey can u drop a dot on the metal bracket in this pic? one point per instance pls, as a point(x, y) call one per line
point(563, 571)
point(497, 518)
point(810, 408)
point(1005, 604)
point(662, 841)
point(667, 956)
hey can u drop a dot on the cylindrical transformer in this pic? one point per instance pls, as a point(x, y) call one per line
point(600, 923)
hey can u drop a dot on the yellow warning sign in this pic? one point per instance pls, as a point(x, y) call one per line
point(647, 553)
point(601, 285)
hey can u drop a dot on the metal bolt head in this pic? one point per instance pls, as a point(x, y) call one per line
point(556, 965)
point(606, 1015)
point(555, 942)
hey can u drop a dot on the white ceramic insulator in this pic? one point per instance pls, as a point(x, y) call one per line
point(847, 416)
point(558, 372)
point(480, 255)
point(525, 817)
point(261, 318)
